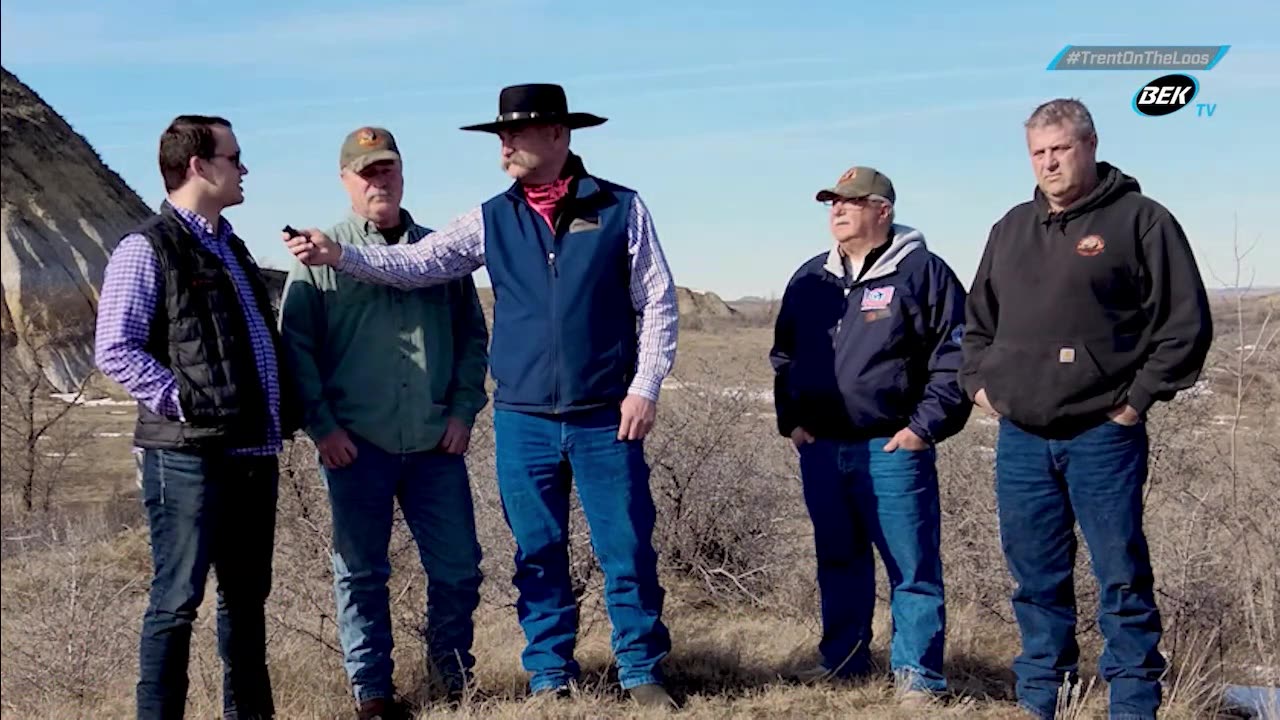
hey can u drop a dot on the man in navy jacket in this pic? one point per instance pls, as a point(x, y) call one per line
point(866, 353)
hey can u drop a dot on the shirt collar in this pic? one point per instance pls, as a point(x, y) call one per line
point(367, 228)
point(201, 226)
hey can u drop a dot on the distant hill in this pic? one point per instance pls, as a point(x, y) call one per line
point(1217, 293)
point(691, 303)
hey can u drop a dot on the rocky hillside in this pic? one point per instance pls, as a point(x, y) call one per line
point(62, 212)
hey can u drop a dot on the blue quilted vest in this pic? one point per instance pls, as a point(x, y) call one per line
point(564, 328)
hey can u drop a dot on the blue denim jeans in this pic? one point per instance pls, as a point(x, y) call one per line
point(434, 491)
point(860, 496)
point(207, 512)
point(539, 458)
point(1043, 487)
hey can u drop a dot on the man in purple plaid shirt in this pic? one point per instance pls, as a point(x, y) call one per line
point(184, 324)
point(584, 331)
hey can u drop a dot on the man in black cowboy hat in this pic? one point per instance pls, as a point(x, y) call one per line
point(575, 263)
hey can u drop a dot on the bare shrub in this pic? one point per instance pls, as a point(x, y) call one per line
point(68, 624)
point(728, 507)
point(34, 450)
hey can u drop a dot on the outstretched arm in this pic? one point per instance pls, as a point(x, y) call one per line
point(453, 252)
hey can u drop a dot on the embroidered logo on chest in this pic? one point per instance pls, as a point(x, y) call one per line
point(877, 298)
point(584, 224)
point(1090, 245)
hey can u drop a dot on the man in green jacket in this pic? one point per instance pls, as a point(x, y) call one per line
point(391, 381)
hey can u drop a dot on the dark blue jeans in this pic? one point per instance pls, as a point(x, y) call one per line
point(1043, 488)
point(208, 511)
point(538, 459)
point(860, 497)
point(435, 499)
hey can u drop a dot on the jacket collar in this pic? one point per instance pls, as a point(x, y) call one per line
point(584, 184)
point(903, 240)
point(365, 226)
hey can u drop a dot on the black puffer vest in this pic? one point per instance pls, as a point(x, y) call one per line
point(200, 333)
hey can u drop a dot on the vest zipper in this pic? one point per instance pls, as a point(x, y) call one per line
point(554, 273)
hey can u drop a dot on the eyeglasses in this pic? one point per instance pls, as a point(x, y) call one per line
point(860, 202)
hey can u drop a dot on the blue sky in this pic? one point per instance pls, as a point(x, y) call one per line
point(726, 116)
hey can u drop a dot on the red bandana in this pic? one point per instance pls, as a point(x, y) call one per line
point(544, 198)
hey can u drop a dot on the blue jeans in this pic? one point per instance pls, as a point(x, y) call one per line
point(538, 458)
point(860, 496)
point(203, 512)
point(1043, 487)
point(435, 499)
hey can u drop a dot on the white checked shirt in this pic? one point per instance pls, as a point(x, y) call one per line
point(458, 249)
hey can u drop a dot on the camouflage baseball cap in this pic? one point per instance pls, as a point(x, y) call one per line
point(859, 182)
point(366, 146)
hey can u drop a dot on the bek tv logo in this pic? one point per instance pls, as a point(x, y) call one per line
point(1165, 95)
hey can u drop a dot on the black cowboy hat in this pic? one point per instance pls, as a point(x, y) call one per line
point(535, 102)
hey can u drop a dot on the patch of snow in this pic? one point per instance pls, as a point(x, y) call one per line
point(1258, 701)
point(1200, 389)
point(77, 399)
point(733, 391)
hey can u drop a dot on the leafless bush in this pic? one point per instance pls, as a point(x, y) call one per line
point(34, 455)
point(728, 507)
point(67, 625)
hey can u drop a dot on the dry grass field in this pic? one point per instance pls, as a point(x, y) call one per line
point(736, 559)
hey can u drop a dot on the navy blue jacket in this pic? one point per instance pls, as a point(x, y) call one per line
point(860, 359)
point(564, 327)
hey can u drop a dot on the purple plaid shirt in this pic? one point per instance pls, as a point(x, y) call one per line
point(130, 293)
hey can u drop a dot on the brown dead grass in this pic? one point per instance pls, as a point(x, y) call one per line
point(738, 566)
